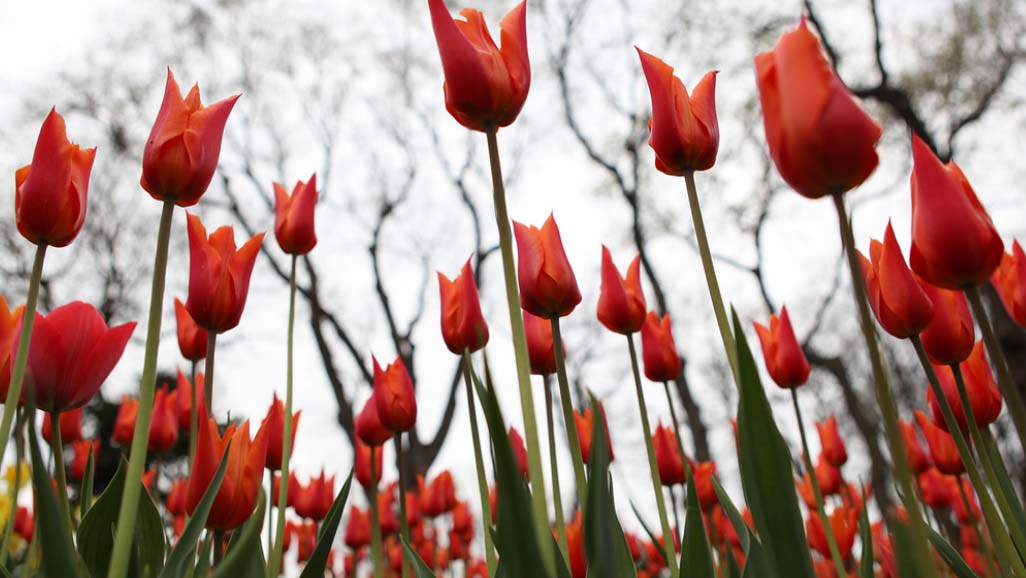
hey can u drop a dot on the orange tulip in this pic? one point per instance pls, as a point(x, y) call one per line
point(942, 447)
point(658, 351)
point(704, 473)
point(192, 339)
point(463, 325)
point(124, 423)
point(832, 443)
point(668, 458)
point(368, 426)
point(274, 423)
point(183, 399)
point(314, 499)
point(219, 275)
point(984, 397)
point(24, 523)
point(575, 544)
point(176, 497)
point(828, 476)
point(954, 242)
point(163, 424)
point(394, 396)
point(485, 85)
point(1010, 281)
point(519, 451)
point(784, 357)
point(949, 338)
point(548, 287)
point(935, 490)
point(357, 534)
point(440, 496)
point(10, 320)
point(821, 141)
point(964, 516)
point(71, 426)
point(621, 305)
point(294, 217)
point(845, 525)
point(900, 304)
point(363, 463)
point(80, 458)
point(50, 195)
point(184, 145)
point(685, 133)
point(585, 424)
point(238, 493)
point(918, 460)
point(540, 349)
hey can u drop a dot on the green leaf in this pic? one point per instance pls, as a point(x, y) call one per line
point(182, 554)
point(865, 534)
point(766, 473)
point(1004, 483)
point(951, 556)
point(901, 539)
point(319, 559)
point(733, 570)
point(420, 569)
point(53, 530)
point(244, 557)
point(85, 495)
point(656, 542)
point(96, 532)
point(606, 548)
point(735, 517)
point(695, 545)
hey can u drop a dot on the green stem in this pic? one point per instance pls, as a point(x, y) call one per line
point(193, 415)
point(372, 497)
point(208, 371)
point(270, 516)
point(920, 556)
point(125, 529)
point(28, 320)
point(286, 438)
point(824, 520)
point(710, 276)
point(57, 445)
point(657, 486)
point(482, 479)
point(218, 547)
point(534, 464)
point(404, 524)
point(557, 493)
point(16, 487)
point(976, 526)
point(568, 412)
point(675, 508)
point(1002, 542)
point(1005, 381)
point(676, 428)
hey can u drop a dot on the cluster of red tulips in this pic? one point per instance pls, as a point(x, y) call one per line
point(212, 520)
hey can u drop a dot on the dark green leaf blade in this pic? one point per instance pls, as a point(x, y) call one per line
point(695, 545)
point(950, 555)
point(53, 531)
point(866, 536)
point(244, 557)
point(319, 559)
point(420, 569)
point(85, 496)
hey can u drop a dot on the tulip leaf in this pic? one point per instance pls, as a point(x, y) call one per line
point(735, 517)
point(182, 554)
point(53, 529)
point(866, 536)
point(244, 557)
point(756, 564)
point(420, 569)
point(766, 473)
point(1004, 482)
point(605, 546)
point(950, 555)
point(85, 495)
point(733, 570)
point(695, 545)
point(901, 537)
point(98, 526)
point(319, 559)
point(656, 542)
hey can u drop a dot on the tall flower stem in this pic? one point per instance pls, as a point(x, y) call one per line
point(676, 427)
point(976, 527)
point(1006, 382)
point(12, 499)
point(193, 414)
point(61, 474)
point(534, 463)
point(657, 486)
point(286, 438)
point(710, 276)
point(482, 478)
point(1002, 542)
point(208, 371)
point(270, 514)
point(372, 498)
point(404, 524)
point(568, 412)
point(28, 320)
point(557, 493)
point(125, 529)
point(828, 530)
point(920, 555)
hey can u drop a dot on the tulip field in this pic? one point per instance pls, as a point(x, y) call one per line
point(240, 510)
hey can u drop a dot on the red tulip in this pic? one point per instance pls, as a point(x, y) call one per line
point(942, 447)
point(935, 490)
point(954, 242)
point(219, 275)
point(964, 516)
point(918, 460)
point(685, 133)
point(71, 354)
point(192, 339)
point(585, 424)
point(183, 399)
point(1010, 281)
point(363, 463)
point(368, 425)
point(900, 304)
point(463, 325)
point(519, 451)
point(784, 357)
point(463, 521)
point(575, 544)
point(828, 476)
point(394, 396)
point(845, 525)
point(124, 423)
point(984, 397)
point(294, 217)
point(24, 523)
point(71, 426)
point(238, 493)
point(163, 424)
point(80, 458)
point(485, 86)
point(621, 305)
point(357, 534)
point(658, 351)
point(821, 141)
point(548, 287)
point(668, 458)
point(440, 496)
point(274, 423)
point(50, 195)
point(831, 442)
point(10, 320)
point(292, 487)
point(314, 499)
point(176, 497)
point(704, 473)
point(540, 349)
point(950, 336)
point(184, 145)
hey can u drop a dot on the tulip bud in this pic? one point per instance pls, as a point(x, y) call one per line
point(548, 287)
point(192, 339)
point(294, 217)
point(124, 423)
point(966, 517)
point(685, 133)
point(704, 473)
point(314, 499)
point(954, 242)
point(10, 320)
point(668, 458)
point(984, 397)
point(358, 532)
point(368, 425)
point(784, 357)
point(80, 458)
point(1009, 280)
point(183, 399)
point(585, 424)
point(163, 424)
point(184, 145)
point(71, 427)
point(176, 497)
point(440, 496)
point(621, 305)
point(658, 351)
point(942, 446)
point(900, 304)
point(519, 451)
point(950, 335)
point(935, 490)
point(274, 422)
point(363, 464)
point(219, 275)
point(463, 325)
point(24, 523)
point(485, 85)
point(918, 461)
point(540, 349)
point(394, 396)
point(831, 442)
point(828, 476)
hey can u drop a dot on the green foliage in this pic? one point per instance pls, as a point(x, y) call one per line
point(244, 557)
point(865, 534)
point(951, 556)
point(319, 559)
point(59, 560)
point(695, 545)
point(420, 569)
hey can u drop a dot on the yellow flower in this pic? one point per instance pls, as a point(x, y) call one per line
point(24, 478)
